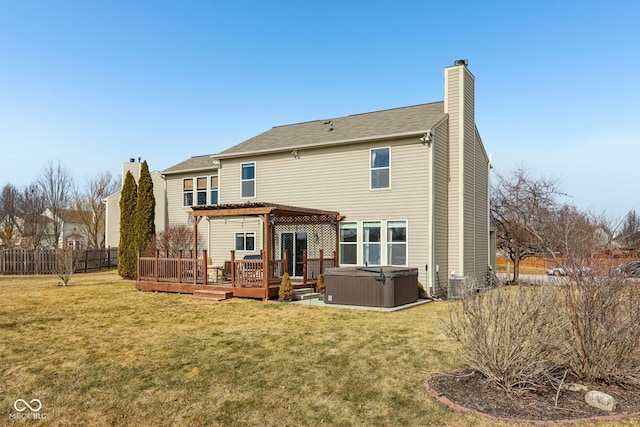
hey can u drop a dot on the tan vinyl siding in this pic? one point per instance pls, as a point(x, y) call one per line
point(440, 210)
point(176, 212)
point(452, 102)
point(222, 237)
point(337, 178)
point(112, 220)
point(482, 210)
point(469, 186)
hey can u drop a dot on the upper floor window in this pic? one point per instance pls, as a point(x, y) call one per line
point(214, 189)
point(201, 193)
point(187, 192)
point(248, 179)
point(380, 168)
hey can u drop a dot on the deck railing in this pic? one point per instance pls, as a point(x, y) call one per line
point(244, 272)
point(173, 270)
point(314, 267)
point(249, 272)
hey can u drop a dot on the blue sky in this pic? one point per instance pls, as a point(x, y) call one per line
point(93, 83)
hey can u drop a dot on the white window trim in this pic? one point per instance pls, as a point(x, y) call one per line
point(210, 189)
point(244, 237)
point(406, 243)
point(356, 244)
point(255, 175)
point(384, 248)
point(371, 169)
point(193, 186)
point(195, 190)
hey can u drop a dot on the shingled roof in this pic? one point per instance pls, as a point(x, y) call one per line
point(194, 164)
point(343, 130)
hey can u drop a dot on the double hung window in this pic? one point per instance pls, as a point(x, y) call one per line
point(201, 191)
point(246, 241)
point(380, 168)
point(349, 243)
point(248, 180)
point(397, 242)
point(187, 192)
point(372, 243)
point(214, 190)
point(381, 242)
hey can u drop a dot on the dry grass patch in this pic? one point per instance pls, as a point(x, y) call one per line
point(101, 353)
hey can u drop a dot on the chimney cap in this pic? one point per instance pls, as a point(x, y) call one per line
point(461, 62)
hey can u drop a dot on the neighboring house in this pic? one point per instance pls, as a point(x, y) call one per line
point(405, 187)
point(112, 203)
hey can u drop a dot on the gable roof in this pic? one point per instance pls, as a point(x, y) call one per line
point(194, 164)
point(385, 124)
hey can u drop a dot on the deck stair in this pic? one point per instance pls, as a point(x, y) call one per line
point(305, 294)
point(211, 294)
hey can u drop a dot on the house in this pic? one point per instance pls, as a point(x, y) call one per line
point(405, 186)
point(72, 229)
point(112, 203)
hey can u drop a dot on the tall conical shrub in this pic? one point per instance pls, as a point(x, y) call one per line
point(145, 211)
point(127, 257)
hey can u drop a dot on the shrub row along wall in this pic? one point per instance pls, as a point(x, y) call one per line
point(45, 261)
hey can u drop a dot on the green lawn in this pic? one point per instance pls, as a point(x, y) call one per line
point(101, 353)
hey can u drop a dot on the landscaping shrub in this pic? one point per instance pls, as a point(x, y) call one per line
point(286, 288)
point(603, 331)
point(127, 251)
point(320, 284)
point(422, 292)
point(509, 334)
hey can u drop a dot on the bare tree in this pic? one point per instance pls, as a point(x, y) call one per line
point(522, 208)
point(174, 239)
point(91, 209)
point(32, 225)
point(567, 234)
point(9, 204)
point(630, 233)
point(56, 184)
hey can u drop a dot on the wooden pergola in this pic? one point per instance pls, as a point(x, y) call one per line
point(265, 271)
point(270, 213)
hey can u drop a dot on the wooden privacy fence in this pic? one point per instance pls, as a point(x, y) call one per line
point(45, 261)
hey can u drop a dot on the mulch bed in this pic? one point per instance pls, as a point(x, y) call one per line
point(468, 390)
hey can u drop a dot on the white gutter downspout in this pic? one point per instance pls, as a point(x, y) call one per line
point(430, 225)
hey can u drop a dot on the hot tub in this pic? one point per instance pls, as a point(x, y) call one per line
point(371, 286)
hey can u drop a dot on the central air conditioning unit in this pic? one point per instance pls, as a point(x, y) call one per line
point(457, 287)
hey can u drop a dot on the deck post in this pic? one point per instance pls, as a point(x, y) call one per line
point(285, 255)
point(304, 267)
point(204, 266)
point(265, 274)
point(321, 262)
point(157, 265)
point(138, 265)
point(233, 269)
point(180, 267)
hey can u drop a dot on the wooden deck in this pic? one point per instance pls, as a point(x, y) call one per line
point(248, 278)
point(190, 288)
